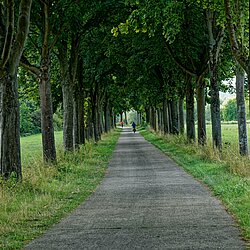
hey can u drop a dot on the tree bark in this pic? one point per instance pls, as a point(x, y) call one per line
point(95, 114)
point(190, 122)
point(147, 111)
point(165, 117)
point(126, 119)
point(153, 118)
point(181, 116)
point(215, 112)
point(81, 104)
point(67, 90)
point(90, 129)
point(11, 51)
point(113, 118)
point(170, 122)
point(107, 116)
point(201, 112)
point(241, 111)
point(175, 117)
point(10, 158)
point(48, 140)
point(214, 48)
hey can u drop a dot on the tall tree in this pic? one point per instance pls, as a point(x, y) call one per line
point(42, 73)
point(241, 111)
point(216, 35)
point(237, 17)
point(12, 40)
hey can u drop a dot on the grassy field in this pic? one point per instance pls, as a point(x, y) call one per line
point(47, 193)
point(226, 174)
point(229, 133)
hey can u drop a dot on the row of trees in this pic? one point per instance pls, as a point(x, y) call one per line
point(101, 58)
point(199, 37)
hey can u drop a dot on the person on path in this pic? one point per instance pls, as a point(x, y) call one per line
point(134, 127)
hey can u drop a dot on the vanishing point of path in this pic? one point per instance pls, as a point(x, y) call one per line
point(144, 202)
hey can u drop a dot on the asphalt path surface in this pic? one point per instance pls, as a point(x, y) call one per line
point(145, 201)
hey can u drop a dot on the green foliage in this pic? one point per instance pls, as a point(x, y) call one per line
point(30, 121)
point(229, 111)
point(58, 120)
point(30, 118)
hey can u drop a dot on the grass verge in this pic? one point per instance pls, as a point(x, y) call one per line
point(233, 189)
point(48, 193)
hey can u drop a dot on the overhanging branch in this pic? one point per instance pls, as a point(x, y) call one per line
point(179, 64)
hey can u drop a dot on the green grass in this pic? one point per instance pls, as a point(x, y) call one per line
point(48, 193)
point(31, 147)
point(229, 133)
point(206, 165)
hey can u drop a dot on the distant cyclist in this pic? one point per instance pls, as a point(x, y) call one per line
point(134, 127)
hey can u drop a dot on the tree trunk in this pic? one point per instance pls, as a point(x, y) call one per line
point(68, 115)
point(170, 122)
point(201, 113)
point(153, 118)
point(76, 123)
point(107, 116)
point(81, 102)
point(95, 116)
point(67, 91)
point(241, 111)
point(90, 129)
point(48, 140)
point(214, 48)
point(95, 121)
point(181, 115)
point(174, 117)
point(10, 159)
point(126, 119)
point(11, 51)
point(237, 49)
point(121, 118)
point(113, 118)
point(190, 122)
point(160, 120)
point(100, 121)
point(215, 109)
point(165, 117)
point(81, 122)
point(79, 129)
point(147, 111)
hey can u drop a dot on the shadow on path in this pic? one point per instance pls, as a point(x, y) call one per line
point(144, 202)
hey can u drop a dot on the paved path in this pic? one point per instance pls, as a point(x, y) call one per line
point(145, 202)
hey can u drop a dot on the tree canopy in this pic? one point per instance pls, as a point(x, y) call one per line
point(91, 60)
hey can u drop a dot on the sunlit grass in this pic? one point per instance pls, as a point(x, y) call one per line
point(230, 150)
point(31, 147)
point(47, 193)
